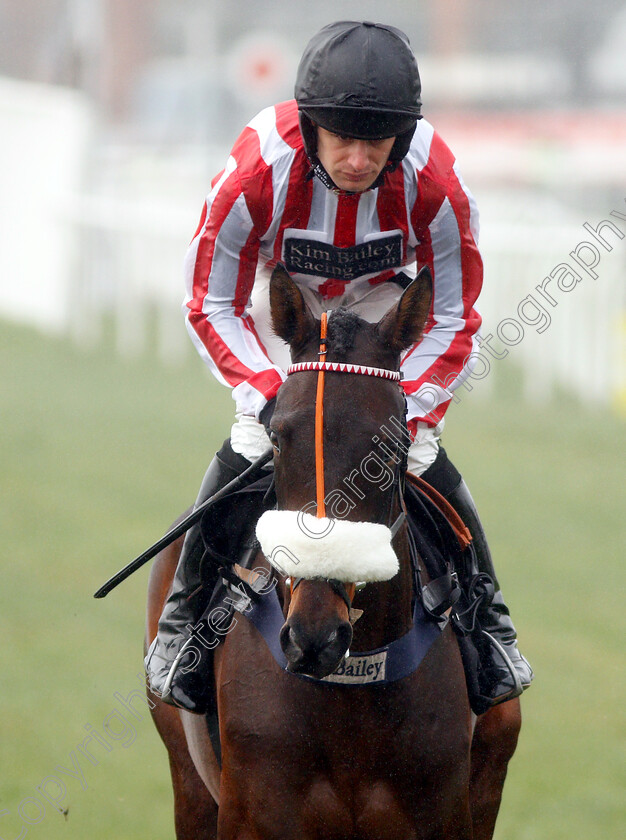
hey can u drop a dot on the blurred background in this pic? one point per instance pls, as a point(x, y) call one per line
point(114, 116)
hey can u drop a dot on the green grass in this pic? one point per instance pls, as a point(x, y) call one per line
point(99, 455)
point(550, 488)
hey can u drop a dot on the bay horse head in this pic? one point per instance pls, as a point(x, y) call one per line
point(339, 459)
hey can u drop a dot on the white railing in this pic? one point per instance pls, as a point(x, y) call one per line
point(68, 263)
point(572, 333)
point(129, 257)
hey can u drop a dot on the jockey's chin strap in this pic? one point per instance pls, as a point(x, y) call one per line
point(344, 591)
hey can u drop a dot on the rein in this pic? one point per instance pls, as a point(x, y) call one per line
point(319, 421)
point(321, 366)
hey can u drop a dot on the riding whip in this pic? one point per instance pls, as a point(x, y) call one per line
point(244, 478)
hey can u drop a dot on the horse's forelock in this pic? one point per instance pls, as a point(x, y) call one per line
point(343, 325)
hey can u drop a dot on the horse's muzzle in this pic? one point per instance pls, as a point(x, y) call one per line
point(317, 651)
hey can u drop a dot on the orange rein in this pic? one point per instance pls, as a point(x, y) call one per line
point(319, 431)
point(321, 366)
point(319, 423)
point(349, 588)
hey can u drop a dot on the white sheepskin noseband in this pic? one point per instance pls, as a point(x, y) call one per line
point(298, 544)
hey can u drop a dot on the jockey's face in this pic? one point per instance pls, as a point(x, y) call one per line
point(353, 164)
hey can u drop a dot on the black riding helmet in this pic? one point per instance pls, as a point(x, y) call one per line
point(359, 80)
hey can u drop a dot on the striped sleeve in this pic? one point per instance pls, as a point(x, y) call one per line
point(220, 269)
point(445, 221)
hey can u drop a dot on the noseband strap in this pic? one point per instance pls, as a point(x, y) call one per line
point(339, 588)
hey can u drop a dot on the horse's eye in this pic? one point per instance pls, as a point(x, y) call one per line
point(274, 440)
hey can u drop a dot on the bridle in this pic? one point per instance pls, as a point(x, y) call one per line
point(322, 366)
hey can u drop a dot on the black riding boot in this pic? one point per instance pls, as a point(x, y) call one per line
point(171, 670)
point(501, 680)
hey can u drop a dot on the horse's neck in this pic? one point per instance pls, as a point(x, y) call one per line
point(387, 607)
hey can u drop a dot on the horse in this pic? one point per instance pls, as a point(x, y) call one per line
point(305, 752)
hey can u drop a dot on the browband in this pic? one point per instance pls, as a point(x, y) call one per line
point(345, 367)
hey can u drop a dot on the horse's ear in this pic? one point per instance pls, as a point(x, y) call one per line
point(291, 317)
point(403, 324)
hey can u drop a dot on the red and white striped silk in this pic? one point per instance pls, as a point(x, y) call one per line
point(262, 209)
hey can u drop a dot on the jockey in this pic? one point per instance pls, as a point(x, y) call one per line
point(353, 191)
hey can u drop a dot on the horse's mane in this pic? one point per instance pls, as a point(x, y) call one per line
point(342, 328)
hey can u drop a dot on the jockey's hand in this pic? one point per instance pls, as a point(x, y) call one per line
point(266, 413)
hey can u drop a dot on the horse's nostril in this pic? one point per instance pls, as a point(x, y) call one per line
point(344, 635)
point(289, 641)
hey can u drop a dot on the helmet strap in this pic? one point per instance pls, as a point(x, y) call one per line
point(401, 147)
point(318, 171)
